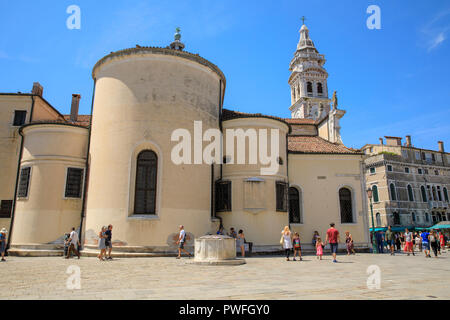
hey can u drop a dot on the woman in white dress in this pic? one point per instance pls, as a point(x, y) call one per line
point(286, 241)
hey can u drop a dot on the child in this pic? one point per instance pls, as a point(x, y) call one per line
point(66, 244)
point(297, 246)
point(319, 247)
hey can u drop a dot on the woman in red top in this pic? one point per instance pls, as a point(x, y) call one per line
point(442, 240)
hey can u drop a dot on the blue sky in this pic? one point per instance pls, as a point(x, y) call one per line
point(393, 81)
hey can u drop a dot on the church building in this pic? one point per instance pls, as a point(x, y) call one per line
point(115, 166)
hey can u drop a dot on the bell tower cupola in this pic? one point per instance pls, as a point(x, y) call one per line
point(308, 80)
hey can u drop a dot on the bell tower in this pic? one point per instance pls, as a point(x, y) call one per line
point(308, 80)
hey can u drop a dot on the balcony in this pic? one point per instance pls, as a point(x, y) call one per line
point(438, 204)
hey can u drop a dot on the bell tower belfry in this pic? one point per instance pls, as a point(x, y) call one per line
point(308, 80)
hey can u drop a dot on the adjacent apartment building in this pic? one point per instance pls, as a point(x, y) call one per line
point(410, 185)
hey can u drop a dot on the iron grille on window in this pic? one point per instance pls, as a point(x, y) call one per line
point(19, 118)
point(223, 196)
point(146, 177)
point(6, 208)
point(281, 195)
point(345, 199)
point(24, 182)
point(294, 206)
point(74, 182)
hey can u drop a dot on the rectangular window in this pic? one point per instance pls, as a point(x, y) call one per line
point(24, 182)
point(19, 118)
point(419, 171)
point(372, 171)
point(6, 208)
point(389, 168)
point(436, 172)
point(405, 154)
point(223, 196)
point(425, 171)
point(417, 153)
point(406, 170)
point(281, 195)
point(74, 182)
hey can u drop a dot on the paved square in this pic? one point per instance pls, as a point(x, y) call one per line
point(402, 277)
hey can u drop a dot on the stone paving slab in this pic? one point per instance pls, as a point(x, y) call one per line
point(402, 277)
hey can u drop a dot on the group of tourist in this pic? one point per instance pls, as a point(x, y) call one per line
point(423, 241)
point(238, 236)
point(105, 243)
point(291, 242)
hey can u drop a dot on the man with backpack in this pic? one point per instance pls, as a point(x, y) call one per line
point(181, 241)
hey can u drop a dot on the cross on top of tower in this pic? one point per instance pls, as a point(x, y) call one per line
point(303, 19)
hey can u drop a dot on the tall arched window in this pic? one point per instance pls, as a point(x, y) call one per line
point(345, 200)
point(424, 194)
point(393, 193)
point(396, 218)
point(413, 217)
point(375, 194)
point(439, 217)
point(445, 194)
point(427, 217)
point(309, 87)
point(146, 175)
point(434, 194)
point(378, 215)
point(319, 88)
point(295, 200)
point(410, 193)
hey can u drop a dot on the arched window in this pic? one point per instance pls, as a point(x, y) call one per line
point(345, 199)
point(309, 87)
point(434, 194)
point(393, 193)
point(413, 217)
point(424, 194)
point(295, 200)
point(427, 217)
point(410, 193)
point(146, 175)
point(378, 219)
point(396, 218)
point(445, 194)
point(439, 217)
point(375, 194)
point(319, 88)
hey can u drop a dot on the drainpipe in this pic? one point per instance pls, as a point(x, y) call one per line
point(86, 170)
point(13, 211)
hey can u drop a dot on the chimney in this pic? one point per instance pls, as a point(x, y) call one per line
point(408, 141)
point(74, 109)
point(37, 89)
point(381, 141)
point(441, 146)
point(393, 141)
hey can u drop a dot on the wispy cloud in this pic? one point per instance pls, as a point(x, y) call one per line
point(20, 57)
point(434, 33)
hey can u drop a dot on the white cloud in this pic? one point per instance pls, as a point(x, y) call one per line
point(434, 33)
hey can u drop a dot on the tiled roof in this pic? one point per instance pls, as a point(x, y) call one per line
point(230, 115)
point(83, 120)
point(301, 121)
point(315, 144)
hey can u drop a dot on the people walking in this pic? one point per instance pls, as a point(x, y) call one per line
point(181, 242)
point(102, 244)
point(74, 242)
point(442, 240)
point(349, 243)
point(3, 234)
point(108, 241)
point(390, 239)
point(409, 242)
point(286, 240)
point(434, 242)
point(398, 242)
point(379, 240)
point(319, 248)
point(426, 244)
point(314, 238)
point(241, 242)
point(297, 246)
point(333, 239)
point(419, 241)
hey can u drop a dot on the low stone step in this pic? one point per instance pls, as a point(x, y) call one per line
point(35, 253)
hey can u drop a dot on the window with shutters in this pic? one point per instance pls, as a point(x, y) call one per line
point(19, 118)
point(6, 208)
point(24, 182)
point(319, 89)
point(376, 198)
point(223, 196)
point(345, 200)
point(74, 183)
point(445, 194)
point(295, 204)
point(146, 177)
point(378, 219)
point(393, 192)
point(281, 196)
point(424, 194)
point(410, 193)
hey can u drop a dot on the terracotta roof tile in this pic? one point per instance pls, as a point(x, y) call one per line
point(315, 144)
point(83, 120)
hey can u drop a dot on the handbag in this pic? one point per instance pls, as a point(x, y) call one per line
point(281, 240)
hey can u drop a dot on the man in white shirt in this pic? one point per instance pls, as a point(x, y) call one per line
point(74, 243)
point(181, 241)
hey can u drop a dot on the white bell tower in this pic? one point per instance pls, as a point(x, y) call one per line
point(308, 80)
